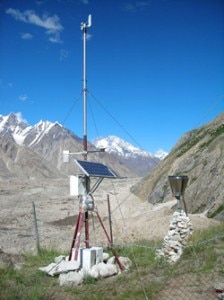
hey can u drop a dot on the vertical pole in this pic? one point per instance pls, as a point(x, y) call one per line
point(36, 228)
point(84, 94)
point(178, 203)
point(84, 29)
point(185, 206)
point(110, 223)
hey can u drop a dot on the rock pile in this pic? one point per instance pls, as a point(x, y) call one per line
point(180, 229)
point(219, 290)
point(70, 273)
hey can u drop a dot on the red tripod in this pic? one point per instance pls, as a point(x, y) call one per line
point(87, 203)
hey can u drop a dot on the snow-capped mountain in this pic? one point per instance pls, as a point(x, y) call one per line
point(13, 125)
point(140, 161)
point(48, 140)
point(21, 132)
point(118, 146)
point(16, 160)
point(161, 154)
point(45, 138)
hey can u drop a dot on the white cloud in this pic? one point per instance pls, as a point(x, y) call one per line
point(142, 3)
point(20, 117)
point(23, 98)
point(129, 7)
point(39, 2)
point(135, 5)
point(26, 36)
point(5, 85)
point(51, 24)
point(88, 36)
point(63, 54)
point(85, 2)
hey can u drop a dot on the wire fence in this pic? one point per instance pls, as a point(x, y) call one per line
point(199, 274)
point(194, 277)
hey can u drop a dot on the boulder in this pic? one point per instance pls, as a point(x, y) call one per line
point(62, 266)
point(70, 279)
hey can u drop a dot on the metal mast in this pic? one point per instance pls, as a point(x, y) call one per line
point(89, 168)
point(84, 27)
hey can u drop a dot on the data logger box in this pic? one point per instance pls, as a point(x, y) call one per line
point(79, 185)
point(90, 257)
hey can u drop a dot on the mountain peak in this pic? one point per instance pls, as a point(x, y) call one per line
point(42, 136)
point(13, 119)
point(161, 154)
point(118, 146)
point(141, 162)
point(16, 118)
point(114, 144)
point(14, 125)
point(22, 133)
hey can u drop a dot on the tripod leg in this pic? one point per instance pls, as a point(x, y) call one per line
point(87, 229)
point(110, 243)
point(78, 239)
point(76, 233)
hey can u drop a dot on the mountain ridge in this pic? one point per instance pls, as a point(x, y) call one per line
point(49, 140)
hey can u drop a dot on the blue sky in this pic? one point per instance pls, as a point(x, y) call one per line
point(155, 69)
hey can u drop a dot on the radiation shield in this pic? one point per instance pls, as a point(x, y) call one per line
point(178, 185)
point(65, 156)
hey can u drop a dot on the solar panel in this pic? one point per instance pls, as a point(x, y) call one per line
point(94, 169)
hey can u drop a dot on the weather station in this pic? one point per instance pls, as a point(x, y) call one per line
point(80, 185)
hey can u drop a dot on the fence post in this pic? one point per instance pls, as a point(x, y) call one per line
point(36, 228)
point(110, 222)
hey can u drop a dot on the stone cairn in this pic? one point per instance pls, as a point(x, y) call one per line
point(180, 229)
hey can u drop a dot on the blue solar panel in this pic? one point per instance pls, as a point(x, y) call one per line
point(94, 169)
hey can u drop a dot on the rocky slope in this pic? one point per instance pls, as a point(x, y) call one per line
point(199, 154)
point(18, 162)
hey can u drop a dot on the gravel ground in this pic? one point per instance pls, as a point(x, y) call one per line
point(56, 211)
